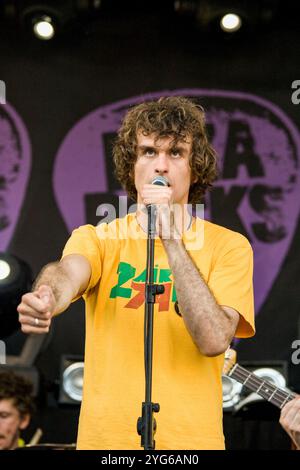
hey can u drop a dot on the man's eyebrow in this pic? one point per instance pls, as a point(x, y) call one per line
point(179, 146)
point(146, 147)
point(173, 146)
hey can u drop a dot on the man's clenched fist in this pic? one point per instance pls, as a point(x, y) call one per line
point(36, 310)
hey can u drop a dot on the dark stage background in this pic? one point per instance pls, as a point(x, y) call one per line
point(88, 81)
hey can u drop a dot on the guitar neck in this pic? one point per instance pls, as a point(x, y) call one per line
point(268, 391)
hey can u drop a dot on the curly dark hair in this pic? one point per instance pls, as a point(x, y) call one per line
point(16, 387)
point(177, 117)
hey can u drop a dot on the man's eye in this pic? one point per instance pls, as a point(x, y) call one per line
point(149, 153)
point(175, 153)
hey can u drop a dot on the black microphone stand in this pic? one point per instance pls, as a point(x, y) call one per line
point(146, 425)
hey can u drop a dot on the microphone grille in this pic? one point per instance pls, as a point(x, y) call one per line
point(160, 180)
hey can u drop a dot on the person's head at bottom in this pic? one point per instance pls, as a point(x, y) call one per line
point(16, 407)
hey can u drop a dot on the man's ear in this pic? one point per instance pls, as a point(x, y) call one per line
point(25, 420)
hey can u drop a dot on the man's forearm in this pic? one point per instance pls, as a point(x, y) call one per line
point(208, 324)
point(54, 276)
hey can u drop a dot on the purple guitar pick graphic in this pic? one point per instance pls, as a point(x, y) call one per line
point(258, 147)
point(15, 161)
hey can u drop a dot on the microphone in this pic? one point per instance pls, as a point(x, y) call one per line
point(151, 208)
point(160, 181)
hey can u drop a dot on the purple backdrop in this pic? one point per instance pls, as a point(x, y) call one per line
point(15, 162)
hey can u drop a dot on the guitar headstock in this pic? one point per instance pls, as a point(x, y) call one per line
point(230, 360)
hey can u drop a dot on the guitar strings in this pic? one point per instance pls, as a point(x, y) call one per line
point(258, 382)
point(279, 397)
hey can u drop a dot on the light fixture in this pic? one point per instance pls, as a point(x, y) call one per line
point(71, 380)
point(44, 20)
point(213, 16)
point(48, 19)
point(231, 22)
point(4, 270)
point(15, 280)
point(43, 28)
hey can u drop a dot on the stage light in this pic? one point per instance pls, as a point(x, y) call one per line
point(214, 16)
point(15, 280)
point(45, 21)
point(71, 380)
point(43, 28)
point(51, 19)
point(231, 22)
point(4, 270)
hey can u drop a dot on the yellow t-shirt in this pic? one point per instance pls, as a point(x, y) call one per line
point(21, 442)
point(186, 384)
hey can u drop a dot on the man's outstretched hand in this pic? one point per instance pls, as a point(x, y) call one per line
point(36, 310)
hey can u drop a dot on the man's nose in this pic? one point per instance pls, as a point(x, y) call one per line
point(161, 163)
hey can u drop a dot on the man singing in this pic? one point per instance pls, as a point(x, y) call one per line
point(206, 270)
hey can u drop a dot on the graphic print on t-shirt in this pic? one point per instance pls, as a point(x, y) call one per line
point(135, 291)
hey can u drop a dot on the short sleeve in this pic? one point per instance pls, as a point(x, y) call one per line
point(231, 282)
point(84, 241)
